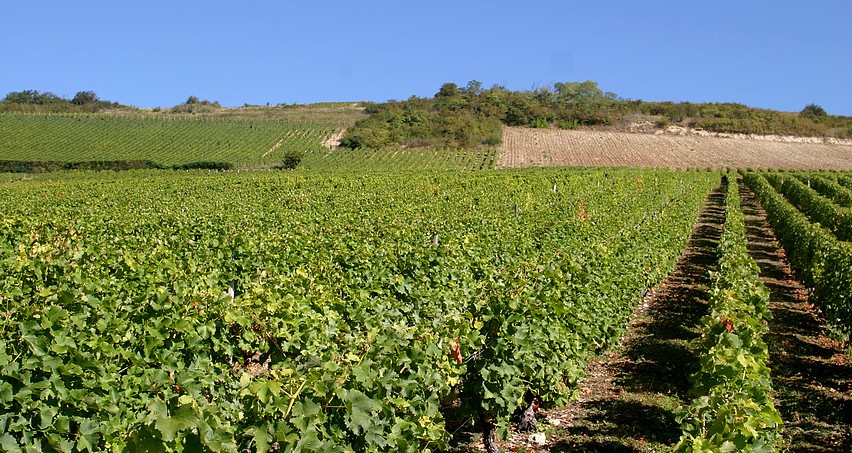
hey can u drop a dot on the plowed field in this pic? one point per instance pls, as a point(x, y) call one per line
point(525, 147)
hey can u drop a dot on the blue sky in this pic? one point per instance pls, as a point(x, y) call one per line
point(774, 54)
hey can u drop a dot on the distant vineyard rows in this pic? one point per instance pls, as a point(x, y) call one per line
point(165, 140)
point(403, 159)
point(245, 143)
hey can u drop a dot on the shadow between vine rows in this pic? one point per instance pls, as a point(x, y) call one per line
point(810, 375)
point(629, 398)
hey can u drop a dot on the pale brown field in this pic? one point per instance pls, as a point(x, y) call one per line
point(525, 147)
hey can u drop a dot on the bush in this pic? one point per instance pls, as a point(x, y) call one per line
point(204, 165)
point(814, 112)
point(571, 125)
point(28, 166)
point(292, 159)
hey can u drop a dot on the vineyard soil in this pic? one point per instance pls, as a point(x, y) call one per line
point(526, 147)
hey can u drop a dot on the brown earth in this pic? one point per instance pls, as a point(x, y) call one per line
point(527, 147)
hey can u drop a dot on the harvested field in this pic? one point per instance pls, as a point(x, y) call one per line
point(526, 147)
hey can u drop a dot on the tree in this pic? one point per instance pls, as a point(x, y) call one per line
point(814, 112)
point(448, 90)
point(32, 97)
point(292, 159)
point(84, 97)
point(473, 87)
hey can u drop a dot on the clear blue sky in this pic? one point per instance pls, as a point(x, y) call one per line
point(778, 54)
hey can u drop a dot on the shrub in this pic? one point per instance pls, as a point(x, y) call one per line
point(204, 165)
point(292, 159)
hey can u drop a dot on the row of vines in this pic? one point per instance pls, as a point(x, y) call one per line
point(811, 217)
point(303, 313)
point(244, 143)
point(731, 407)
point(403, 159)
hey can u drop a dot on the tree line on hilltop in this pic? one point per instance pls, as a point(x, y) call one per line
point(34, 101)
point(38, 102)
point(474, 116)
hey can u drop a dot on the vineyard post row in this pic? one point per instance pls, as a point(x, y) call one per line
point(826, 187)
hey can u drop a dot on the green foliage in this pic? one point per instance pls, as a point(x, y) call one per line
point(740, 119)
point(18, 166)
point(194, 106)
point(84, 97)
point(31, 97)
point(204, 165)
point(292, 159)
point(471, 116)
point(15, 166)
point(827, 187)
point(836, 219)
point(824, 262)
point(814, 112)
point(274, 310)
point(732, 408)
point(395, 160)
point(540, 123)
point(35, 101)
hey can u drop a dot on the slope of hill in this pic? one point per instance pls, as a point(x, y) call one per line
point(527, 147)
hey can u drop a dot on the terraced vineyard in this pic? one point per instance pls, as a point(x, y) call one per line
point(303, 312)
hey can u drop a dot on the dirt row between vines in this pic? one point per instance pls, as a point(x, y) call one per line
point(630, 398)
point(526, 147)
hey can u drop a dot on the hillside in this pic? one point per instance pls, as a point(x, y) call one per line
point(528, 147)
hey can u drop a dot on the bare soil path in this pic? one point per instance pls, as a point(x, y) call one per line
point(810, 374)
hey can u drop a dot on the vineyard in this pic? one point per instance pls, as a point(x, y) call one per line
point(525, 147)
point(396, 159)
point(247, 143)
point(392, 299)
point(814, 231)
point(342, 313)
point(162, 139)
